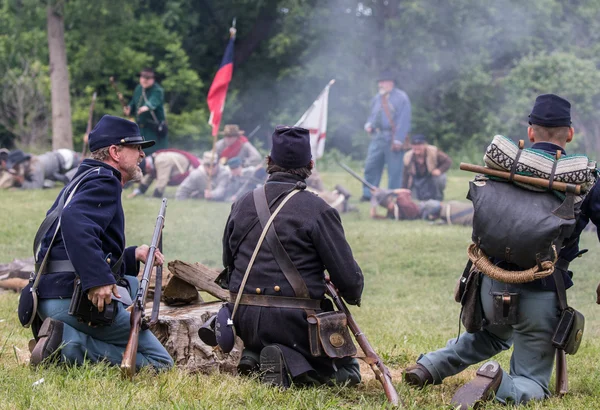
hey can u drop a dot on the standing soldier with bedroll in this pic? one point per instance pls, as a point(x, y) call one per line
point(513, 289)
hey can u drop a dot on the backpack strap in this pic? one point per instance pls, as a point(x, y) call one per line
point(53, 216)
point(256, 249)
point(279, 253)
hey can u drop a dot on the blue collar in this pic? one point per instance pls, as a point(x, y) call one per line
point(548, 147)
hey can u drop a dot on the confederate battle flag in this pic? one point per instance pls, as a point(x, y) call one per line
point(315, 121)
point(218, 89)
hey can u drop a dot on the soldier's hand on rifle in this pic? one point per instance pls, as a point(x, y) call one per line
point(102, 295)
point(127, 110)
point(436, 172)
point(368, 128)
point(141, 255)
point(396, 146)
point(207, 194)
point(143, 109)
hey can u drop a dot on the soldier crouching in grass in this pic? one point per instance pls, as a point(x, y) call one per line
point(84, 245)
point(284, 282)
point(516, 309)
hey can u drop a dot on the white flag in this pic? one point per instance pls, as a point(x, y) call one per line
point(315, 120)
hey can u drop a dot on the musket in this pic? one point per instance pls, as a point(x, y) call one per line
point(114, 85)
point(371, 358)
point(89, 125)
point(562, 379)
point(128, 367)
point(355, 175)
point(544, 183)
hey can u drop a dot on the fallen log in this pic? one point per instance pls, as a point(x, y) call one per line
point(199, 275)
point(177, 330)
point(178, 292)
point(18, 268)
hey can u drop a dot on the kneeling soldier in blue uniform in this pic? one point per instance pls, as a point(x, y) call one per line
point(286, 281)
point(89, 247)
point(537, 304)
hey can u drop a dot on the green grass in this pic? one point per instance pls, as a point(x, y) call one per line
point(410, 270)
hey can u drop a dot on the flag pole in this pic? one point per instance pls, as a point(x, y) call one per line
point(232, 31)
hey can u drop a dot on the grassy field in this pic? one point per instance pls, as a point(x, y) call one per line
point(410, 270)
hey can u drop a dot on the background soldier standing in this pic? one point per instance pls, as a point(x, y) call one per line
point(146, 106)
point(388, 125)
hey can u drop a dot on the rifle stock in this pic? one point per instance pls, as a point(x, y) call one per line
point(562, 379)
point(371, 358)
point(128, 367)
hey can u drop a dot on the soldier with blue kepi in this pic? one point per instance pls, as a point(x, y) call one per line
point(388, 125)
point(280, 283)
point(82, 255)
point(526, 312)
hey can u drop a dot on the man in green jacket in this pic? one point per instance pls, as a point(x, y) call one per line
point(147, 107)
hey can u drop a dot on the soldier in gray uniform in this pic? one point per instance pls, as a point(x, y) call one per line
point(42, 171)
point(196, 185)
point(241, 180)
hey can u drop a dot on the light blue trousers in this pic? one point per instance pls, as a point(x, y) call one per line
point(378, 155)
point(104, 342)
point(533, 356)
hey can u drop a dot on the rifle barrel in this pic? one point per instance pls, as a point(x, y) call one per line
point(381, 371)
point(355, 175)
point(137, 314)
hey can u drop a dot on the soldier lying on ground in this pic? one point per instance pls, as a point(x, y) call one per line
point(42, 171)
point(400, 206)
point(241, 180)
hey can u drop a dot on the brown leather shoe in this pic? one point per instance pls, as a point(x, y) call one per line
point(417, 375)
point(482, 388)
point(50, 340)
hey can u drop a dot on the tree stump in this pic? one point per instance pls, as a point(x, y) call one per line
point(177, 330)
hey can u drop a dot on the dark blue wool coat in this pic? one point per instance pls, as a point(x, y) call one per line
point(92, 232)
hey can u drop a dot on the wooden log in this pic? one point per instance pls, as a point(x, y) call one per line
point(178, 292)
point(177, 330)
point(199, 275)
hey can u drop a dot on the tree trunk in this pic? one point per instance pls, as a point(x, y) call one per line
point(177, 330)
point(62, 133)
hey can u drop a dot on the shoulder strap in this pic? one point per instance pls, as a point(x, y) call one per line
point(151, 111)
point(53, 216)
point(257, 248)
point(561, 291)
point(279, 253)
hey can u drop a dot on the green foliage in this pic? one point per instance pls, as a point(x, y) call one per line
point(471, 68)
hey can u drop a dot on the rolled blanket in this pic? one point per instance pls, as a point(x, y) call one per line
point(572, 169)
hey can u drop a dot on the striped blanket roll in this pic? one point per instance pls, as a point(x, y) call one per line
point(572, 169)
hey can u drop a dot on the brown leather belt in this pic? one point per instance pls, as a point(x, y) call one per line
point(276, 301)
